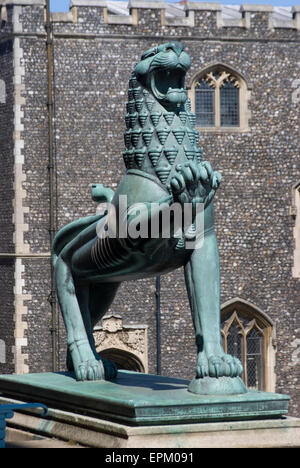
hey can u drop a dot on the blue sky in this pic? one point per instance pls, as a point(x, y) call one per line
point(63, 5)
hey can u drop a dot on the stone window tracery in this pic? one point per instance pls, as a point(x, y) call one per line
point(249, 335)
point(219, 99)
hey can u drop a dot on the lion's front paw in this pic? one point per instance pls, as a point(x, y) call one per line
point(195, 183)
point(224, 366)
point(218, 365)
point(184, 184)
point(96, 369)
point(90, 370)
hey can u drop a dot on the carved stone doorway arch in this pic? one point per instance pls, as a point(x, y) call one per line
point(123, 359)
point(126, 345)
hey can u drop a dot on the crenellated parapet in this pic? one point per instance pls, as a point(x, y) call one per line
point(191, 14)
point(19, 16)
point(157, 17)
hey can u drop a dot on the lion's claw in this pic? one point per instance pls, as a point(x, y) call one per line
point(217, 369)
point(175, 185)
point(239, 367)
point(216, 180)
point(178, 183)
point(201, 371)
point(202, 366)
point(229, 370)
point(215, 366)
point(203, 174)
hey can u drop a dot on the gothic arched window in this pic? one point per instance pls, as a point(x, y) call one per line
point(247, 334)
point(219, 99)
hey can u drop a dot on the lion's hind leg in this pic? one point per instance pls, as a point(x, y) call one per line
point(101, 296)
point(86, 366)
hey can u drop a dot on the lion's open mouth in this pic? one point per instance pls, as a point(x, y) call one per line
point(168, 85)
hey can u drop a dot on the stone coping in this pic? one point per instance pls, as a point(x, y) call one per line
point(151, 5)
point(23, 2)
point(203, 6)
point(88, 3)
point(257, 8)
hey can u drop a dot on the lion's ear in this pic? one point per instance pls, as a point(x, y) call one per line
point(149, 53)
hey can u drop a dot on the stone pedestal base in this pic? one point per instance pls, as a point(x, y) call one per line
point(139, 410)
point(141, 399)
point(98, 433)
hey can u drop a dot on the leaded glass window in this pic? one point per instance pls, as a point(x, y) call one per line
point(244, 338)
point(205, 104)
point(217, 99)
point(229, 104)
point(254, 359)
point(234, 341)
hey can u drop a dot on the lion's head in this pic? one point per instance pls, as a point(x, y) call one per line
point(162, 71)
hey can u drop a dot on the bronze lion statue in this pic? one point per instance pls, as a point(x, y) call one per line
point(164, 168)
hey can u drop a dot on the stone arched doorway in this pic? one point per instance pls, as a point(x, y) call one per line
point(123, 359)
point(126, 345)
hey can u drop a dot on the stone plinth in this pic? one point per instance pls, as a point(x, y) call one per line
point(140, 410)
point(96, 432)
point(141, 399)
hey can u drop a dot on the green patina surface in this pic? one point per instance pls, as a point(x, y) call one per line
point(141, 399)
